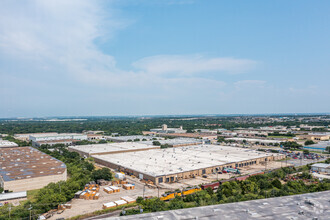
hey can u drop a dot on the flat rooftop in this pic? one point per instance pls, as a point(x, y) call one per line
point(34, 134)
point(254, 140)
point(27, 162)
point(5, 143)
point(176, 141)
point(287, 207)
point(133, 137)
point(111, 147)
point(54, 134)
point(160, 162)
point(189, 135)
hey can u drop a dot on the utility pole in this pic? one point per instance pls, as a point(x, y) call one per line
point(286, 159)
point(144, 186)
point(30, 211)
point(158, 191)
point(9, 208)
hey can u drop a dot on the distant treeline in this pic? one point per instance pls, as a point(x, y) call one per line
point(135, 126)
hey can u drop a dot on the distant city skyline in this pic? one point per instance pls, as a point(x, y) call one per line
point(167, 57)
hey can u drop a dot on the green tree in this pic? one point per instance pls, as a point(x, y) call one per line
point(153, 205)
point(103, 173)
point(156, 143)
point(221, 139)
point(309, 142)
point(306, 151)
point(277, 183)
point(209, 191)
point(164, 146)
point(103, 142)
point(139, 200)
point(176, 203)
point(327, 149)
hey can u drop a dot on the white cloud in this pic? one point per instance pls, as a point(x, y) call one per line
point(42, 40)
point(60, 35)
point(192, 64)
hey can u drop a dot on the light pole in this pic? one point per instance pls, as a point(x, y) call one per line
point(30, 211)
point(9, 208)
point(144, 186)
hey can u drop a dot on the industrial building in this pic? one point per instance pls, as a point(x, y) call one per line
point(255, 140)
point(177, 142)
point(110, 148)
point(133, 138)
point(51, 139)
point(26, 168)
point(172, 164)
point(26, 136)
point(321, 167)
point(204, 136)
point(5, 143)
point(66, 142)
point(315, 137)
point(4, 197)
point(165, 130)
point(304, 206)
point(95, 137)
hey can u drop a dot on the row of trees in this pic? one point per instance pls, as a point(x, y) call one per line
point(291, 145)
point(81, 171)
point(255, 187)
point(134, 126)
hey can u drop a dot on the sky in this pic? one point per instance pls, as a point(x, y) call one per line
point(146, 57)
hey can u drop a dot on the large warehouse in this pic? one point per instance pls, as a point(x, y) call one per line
point(110, 148)
point(172, 164)
point(26, 168)
point(5, 143)
point(177, 142)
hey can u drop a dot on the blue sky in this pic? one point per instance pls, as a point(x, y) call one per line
point(129, 57)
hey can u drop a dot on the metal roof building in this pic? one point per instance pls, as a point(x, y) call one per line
point(303, 206)
point(26, 168)
point(110, 148)
point(5, 143)
point(172, 164)
point(321, 167)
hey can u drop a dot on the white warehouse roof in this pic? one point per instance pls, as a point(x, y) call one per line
point(167, 161)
